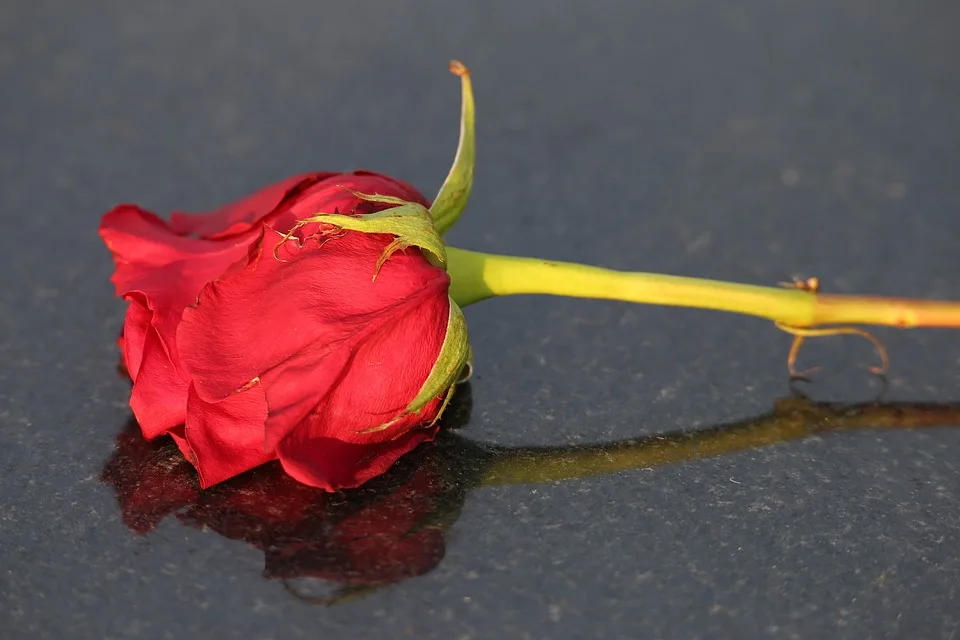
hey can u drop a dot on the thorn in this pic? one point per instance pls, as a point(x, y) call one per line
point(800, 334)
point(810, 284)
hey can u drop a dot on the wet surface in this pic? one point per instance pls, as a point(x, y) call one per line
point(750, 142)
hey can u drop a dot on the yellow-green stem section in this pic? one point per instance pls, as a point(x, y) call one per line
point(477, 276)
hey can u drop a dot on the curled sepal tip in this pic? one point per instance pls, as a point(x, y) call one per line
point(455, 191)
point(467, 371)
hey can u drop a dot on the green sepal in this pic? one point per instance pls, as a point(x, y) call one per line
point(410, 222)
point(454, 354)
point(455, 191)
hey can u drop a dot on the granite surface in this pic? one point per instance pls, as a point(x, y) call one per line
point(750, 140)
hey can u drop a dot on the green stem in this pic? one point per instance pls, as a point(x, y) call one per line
point(477, 276)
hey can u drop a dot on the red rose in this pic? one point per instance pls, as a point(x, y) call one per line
point(252, 336)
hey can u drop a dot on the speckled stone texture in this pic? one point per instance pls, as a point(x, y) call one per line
point(748, 140)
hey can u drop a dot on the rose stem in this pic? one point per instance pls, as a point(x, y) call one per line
point(477, 276)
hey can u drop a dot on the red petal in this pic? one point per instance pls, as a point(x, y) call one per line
point(301, 196)
point(167, 270)
point(295, 323)
point(386, 371)
point(329, 196)
point(159, 396)
point(224, 439)
point(332, 464)
point(241, 215)
point(135, 327)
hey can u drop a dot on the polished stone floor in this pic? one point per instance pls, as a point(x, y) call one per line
point(749, 141)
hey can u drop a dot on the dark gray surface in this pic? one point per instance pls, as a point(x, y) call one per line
point(747, 141)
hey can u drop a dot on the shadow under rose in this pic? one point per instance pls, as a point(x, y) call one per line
point(393, 528)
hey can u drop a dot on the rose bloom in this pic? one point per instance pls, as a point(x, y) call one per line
point(245, 346)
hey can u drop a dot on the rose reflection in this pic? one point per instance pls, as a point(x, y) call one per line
point(393, 527)
point(388, 530)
